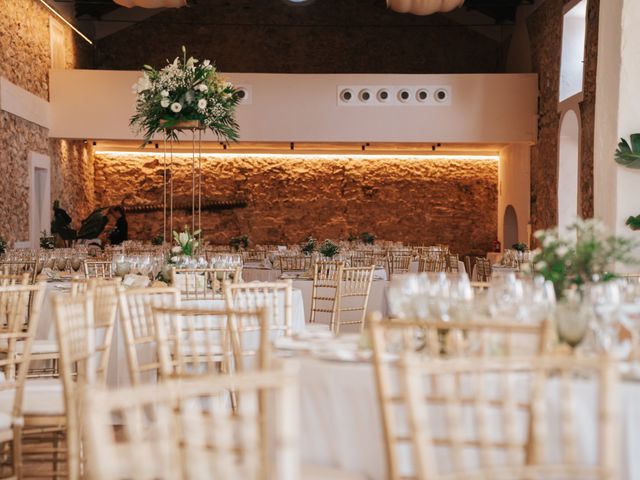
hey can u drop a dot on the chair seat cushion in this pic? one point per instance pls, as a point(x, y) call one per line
point(41, 397)
point(317, 472)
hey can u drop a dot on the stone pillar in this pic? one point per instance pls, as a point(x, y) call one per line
point(617, 189)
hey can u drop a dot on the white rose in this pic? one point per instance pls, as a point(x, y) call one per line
point(189, 96)
point(176, 107)
point(183, 238)
point(562, 251)
point(202, 104)
point(164, 93)
point(176, 250)
point(165, 102)
point(174, 259)
point(206, 63)
point(202, 87)
point(541, 265)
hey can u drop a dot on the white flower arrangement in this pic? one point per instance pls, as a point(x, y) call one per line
point(185, 90)
point(186, 242)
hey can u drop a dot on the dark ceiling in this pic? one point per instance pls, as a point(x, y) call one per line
point(502, 11)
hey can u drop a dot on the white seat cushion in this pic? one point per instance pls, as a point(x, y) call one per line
point(317, 472)
point(41, 397)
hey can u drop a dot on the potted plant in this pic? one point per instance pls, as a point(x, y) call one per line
point(47, 242)
point(310, 246)
point(239, 243)
point(329, 249)
point(367, 238)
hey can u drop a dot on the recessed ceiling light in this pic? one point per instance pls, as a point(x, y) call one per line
point(298, 3)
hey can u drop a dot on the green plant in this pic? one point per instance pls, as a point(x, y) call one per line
point(3, 246)
point(157, 240)
point(184, 90)
point(586, 253)
point(519, 247)
point(186, 242)
point(367, 238)
point(628, 155)
point(329, 249)
point(240, 242)
point(309, 247)
point(47, 242)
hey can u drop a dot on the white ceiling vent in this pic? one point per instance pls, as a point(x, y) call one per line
point(393, 95)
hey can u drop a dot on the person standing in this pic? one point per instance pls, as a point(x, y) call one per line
point(121, 231)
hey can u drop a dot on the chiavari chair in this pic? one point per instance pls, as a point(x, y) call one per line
point(486, 418)
point(361, 258)
point(483, 269)
point(14, 366)
point(138, 328)
point(432, 262)
point(98, 269)
point(325, 298)
point(452, 262)
point(11, 280)
point(254, 256)
point(398, 264)
point(19, 267)
point(203, 283)
point(353, 294)
point(275, 298)
point(439, 342)
point(195, 342)
point(185, 429)
point(293, 263)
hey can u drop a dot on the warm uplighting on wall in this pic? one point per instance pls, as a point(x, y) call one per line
point(309, 156)
point(66, 22)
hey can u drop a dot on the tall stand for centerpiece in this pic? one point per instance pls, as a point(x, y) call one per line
point(196, 128)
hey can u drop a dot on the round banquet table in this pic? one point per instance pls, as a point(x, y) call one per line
point(341, 424)
point(118, 371)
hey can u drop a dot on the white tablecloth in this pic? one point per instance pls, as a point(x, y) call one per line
point(341, 425)
point(260, 274)
point(118, 373)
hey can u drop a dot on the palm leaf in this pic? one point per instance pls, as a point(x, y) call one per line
point(629, 155)
point(633, 222)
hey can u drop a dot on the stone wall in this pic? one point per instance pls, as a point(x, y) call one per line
point(25, 60)
point(545, 31)
point(289, 198)
point(329, 36)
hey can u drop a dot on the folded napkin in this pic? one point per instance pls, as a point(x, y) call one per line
point(135, 281)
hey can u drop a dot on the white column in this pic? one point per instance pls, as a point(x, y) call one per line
point(617, 189)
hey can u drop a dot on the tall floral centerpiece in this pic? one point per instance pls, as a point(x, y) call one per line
point(186, 244)
point(186, 93)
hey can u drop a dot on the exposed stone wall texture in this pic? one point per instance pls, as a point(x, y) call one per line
point(25, 60)
point(289, 198)
point(545, 31)
point(329, 36)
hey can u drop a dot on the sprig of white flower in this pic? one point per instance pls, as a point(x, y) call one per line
point(176, 107)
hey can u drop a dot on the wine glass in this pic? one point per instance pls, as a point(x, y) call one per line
point(606, 299)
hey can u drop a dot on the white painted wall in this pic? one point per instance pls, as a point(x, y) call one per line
point(484, 109)
point(515, 189)
point(18, 101)
point(568, 164)
point(572, 64)
point(39, 196)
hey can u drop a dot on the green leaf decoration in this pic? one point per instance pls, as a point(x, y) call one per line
point(633, 222)
point(629, 155)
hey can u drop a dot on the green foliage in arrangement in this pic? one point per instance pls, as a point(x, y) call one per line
point(47, 242)
point(239, 243)
point(368, 238)
point(329, 249)
point(310, 246)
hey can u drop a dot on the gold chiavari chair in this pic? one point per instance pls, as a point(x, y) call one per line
point(275, 298)
point(19, 279)
point(398, 264)
point(19, 267)
point(203, 283)
point(432, 262)
point(483, 269)
point(481, 418)
point(138, 328)
point(14, 366)
point(294, 264)
point(98, 269)
point(254, 256)
point(194, 342)
point(185, 429)
point(325, 298)
point(361, 259)
point(452, 262)
point(353, 294)
point(105, 304)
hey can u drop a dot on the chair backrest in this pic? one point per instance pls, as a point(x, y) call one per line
point(432, 262)
point(325, 292)
point(194, 342)
point(186, 429)
point(19, 267)
point(253, 256)
point(275, 298)
point(76, 335)
point(452, 262)
point(294, 263)
point(398, 263)
point(483, 269)
point(438, 343)
point(18, 279)
point(98, 269)
point(138, 328)
point(361, 258)
point(353, 299)
point(203, 283)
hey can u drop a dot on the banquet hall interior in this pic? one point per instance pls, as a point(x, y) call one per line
point(319, 239)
